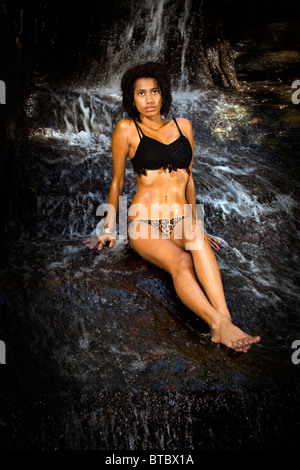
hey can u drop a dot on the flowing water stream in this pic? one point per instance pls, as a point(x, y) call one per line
point(104, 354)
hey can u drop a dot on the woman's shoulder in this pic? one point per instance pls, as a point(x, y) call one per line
point(125, 123)
point(184, 122)
point(124, 126)
point(185, 125)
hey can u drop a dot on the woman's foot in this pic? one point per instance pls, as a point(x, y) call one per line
point(225, 332)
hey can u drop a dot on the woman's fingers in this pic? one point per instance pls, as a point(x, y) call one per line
point(99, 242)
point(214, 242)
point(91, 241)
point(107, 241)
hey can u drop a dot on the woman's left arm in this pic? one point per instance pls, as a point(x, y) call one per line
point(190, 187)
point(190, 192)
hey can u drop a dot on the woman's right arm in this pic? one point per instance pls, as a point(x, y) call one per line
point(120, 150)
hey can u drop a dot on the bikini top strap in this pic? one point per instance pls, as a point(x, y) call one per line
point(140, 132)
point(177, 125)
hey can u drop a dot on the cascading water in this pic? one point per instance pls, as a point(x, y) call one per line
point(156, 30)
point(127, 365)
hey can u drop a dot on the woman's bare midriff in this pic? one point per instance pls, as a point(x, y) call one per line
point(160, 195)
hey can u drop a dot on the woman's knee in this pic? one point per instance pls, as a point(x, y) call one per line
point(183, 263)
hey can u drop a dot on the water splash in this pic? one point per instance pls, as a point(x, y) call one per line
point(243, 203)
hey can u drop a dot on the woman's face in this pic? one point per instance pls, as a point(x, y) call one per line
point(147, 97)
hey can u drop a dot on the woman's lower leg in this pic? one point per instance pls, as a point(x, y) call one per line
point(189, 291)
point(208, 273)
point(173, 258)
point(191, 295)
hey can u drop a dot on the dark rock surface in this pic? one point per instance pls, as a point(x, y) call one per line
point(101, 354)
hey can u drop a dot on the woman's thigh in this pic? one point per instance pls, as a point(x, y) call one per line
point(189, 234)
point(154, 246)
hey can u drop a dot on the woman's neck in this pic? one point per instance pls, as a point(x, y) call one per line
point(154, 123)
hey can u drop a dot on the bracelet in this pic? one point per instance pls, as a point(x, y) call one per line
point(110, 231)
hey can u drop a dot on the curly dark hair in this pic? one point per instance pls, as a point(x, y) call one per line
point(153, 70)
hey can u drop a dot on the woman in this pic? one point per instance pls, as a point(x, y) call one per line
point(163, 227)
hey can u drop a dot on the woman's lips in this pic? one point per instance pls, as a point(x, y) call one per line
point(150, 108)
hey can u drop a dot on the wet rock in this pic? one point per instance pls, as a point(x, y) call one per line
point(101, 353)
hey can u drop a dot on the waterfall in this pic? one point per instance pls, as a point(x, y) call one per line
point(125, 48)
point(230, 174)
point(81, 123)
point(184, 32)
point(156, 31)
point(103, 351)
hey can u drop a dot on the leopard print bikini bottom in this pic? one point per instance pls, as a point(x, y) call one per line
point(166, 226)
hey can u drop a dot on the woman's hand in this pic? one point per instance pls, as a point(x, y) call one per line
point(99, 242)
point(199, 230)
point(214, 242)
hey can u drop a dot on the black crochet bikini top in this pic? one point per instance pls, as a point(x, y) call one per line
point(151, 154)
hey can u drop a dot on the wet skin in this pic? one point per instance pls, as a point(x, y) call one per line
point(176, 189)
